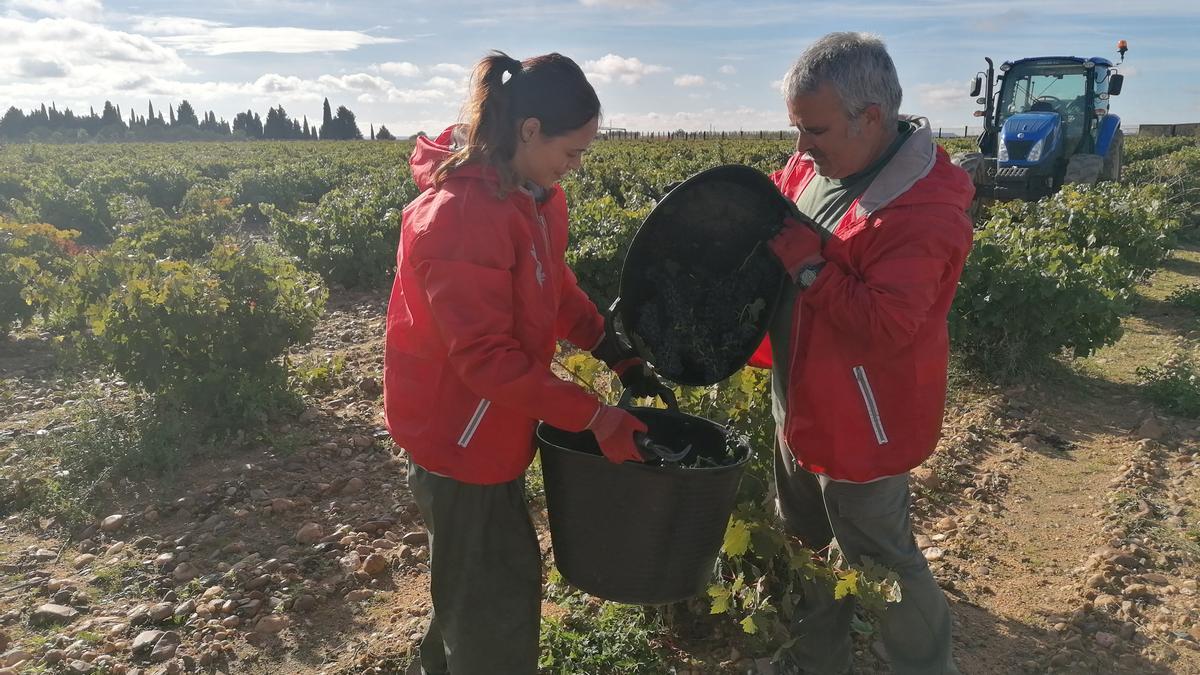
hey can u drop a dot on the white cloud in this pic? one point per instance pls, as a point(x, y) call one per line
point(443, 83)
point(417, 96)
point(945, 103)
point(366, 88)
point(480, 22)
point(396, 69)
point(625, 70)
point(356, 82)
point(449, 69)
point(88, 50)
point(1005, 21)
point(174, 25)
point(942, 94)
point(272, 83)
point(689, 81)
point(40, 68)
point(220, 40)
point(727, 70)
point(70, 9)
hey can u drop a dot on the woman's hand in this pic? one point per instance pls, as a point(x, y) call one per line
point(614, 429)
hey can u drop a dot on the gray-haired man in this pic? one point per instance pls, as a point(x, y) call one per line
point(859, 349)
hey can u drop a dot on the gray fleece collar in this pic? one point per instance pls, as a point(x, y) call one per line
point(912, 162)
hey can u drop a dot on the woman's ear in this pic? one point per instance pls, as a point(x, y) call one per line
point(530, 128)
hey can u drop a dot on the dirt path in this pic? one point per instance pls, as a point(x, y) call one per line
point(1070, 568)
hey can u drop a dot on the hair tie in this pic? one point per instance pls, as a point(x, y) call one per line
point(511, 70)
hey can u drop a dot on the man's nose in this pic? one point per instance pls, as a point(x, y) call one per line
point(803, 142)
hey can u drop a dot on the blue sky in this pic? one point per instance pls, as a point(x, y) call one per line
point(657, 64)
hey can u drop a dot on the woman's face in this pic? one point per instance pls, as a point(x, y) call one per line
point(546, 159)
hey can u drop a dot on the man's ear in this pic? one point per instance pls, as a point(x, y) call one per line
point(873, 115)
point(530, 128)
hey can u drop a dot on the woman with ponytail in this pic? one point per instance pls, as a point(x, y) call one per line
point(482, 296)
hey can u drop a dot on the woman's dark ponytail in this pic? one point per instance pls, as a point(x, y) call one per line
point(505, 91)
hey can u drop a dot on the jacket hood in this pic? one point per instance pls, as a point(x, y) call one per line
point(429, 154)
point(920, 173)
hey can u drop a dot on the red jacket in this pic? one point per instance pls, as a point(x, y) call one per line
point(482, 295)
point(867, 378)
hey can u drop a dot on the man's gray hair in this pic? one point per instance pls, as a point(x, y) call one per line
point(858, 67)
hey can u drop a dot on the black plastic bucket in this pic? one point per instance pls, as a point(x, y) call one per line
point(639, 533)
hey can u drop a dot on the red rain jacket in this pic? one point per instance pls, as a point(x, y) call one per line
point(482, 295)
point(870, 345)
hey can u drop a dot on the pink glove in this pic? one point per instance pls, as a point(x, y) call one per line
point(796, 246)
point(614, 429)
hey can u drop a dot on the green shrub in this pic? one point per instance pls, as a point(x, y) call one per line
point(321, 375)
point(31, 256)
point(1135, 219)
point(1173, 385)
point(207, 335)
point(164, 186)
point(960, 144)
point(350, 238)
point(285, 186)
point(71, 208)
point(93, 276)
point(1138, 148)
point(1187, 297)
point(599, 638)
point(145, 228)
point(600, 234)
point(1028, 292)
point(1179, 174)
point(761, 569)
point(109, 436)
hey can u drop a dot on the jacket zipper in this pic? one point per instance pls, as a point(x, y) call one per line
point(542, 222)
point(864, 388)
point(473, 425)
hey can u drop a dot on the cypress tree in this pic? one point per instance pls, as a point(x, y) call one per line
point(327, 130)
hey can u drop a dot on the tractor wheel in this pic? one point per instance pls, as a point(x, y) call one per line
point(975, 164)
point(1084, 169)
point(1115, 160)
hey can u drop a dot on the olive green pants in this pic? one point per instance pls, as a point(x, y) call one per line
point(485, 577)
point(867, 520)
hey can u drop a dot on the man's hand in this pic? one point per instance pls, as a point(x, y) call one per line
point(796, 246)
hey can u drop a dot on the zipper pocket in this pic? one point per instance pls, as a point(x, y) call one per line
point(473, 424)
point(864, 388)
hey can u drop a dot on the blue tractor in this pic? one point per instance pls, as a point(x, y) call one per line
point(1048, 124)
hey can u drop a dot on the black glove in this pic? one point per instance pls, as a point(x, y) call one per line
point(640, 381)
point(635, 374)
point(614, 351)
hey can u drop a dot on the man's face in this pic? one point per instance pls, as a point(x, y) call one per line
point(839, 147)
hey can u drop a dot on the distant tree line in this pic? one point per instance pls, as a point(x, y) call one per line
point(182, 124)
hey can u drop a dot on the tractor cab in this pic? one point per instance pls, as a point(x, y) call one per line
point(1048, 124)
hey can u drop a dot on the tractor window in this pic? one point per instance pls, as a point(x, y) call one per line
point(1048, 87)
point(1102, 75)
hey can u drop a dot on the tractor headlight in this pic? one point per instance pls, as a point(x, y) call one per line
point(1035, 153)
point(1002, 151)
